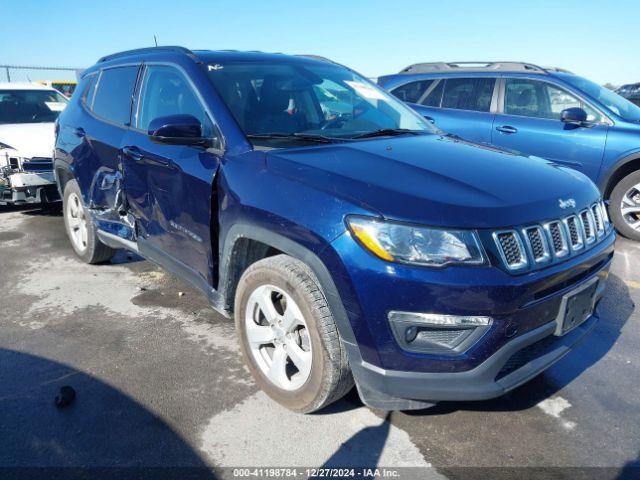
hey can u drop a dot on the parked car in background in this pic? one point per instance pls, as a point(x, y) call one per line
point(631, 92)
point(65, 87)
point(350, 244)
point(546, 112)
point(27, 116)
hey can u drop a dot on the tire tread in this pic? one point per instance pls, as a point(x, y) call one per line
point(338, 381)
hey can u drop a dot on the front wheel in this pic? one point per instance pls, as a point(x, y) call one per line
point(624, 206)
point(288, 335)
point(80, 228)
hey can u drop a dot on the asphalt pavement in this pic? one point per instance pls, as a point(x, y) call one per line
point(159, 383)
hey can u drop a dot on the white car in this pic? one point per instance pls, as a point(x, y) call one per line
point(27, 116)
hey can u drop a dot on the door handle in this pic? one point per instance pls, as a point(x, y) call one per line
point(79, 132)
point(134, 153)
point(507, 129)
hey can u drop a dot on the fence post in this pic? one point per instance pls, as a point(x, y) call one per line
point(8, 75)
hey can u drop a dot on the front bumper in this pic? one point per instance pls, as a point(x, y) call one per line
point(27, 187)
point(512, 365)
point(519, 345)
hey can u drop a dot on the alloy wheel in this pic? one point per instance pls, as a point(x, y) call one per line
point(630, 207)
point(77, 222)
point(278, 337)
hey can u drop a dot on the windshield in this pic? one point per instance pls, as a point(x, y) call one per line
point(614, 102)
point(302, 100)
point(30, 106)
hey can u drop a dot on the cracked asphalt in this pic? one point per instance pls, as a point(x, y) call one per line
point(160, 382)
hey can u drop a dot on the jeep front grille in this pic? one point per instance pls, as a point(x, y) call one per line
point(551, 241)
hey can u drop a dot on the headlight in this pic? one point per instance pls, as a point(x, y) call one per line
point(403, 243)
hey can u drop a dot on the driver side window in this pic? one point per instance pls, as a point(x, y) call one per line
point(533, 98)
point(165, 91)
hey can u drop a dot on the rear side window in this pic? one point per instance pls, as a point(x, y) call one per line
point(412, 92)
point(468, 94)
point(434, 97)
point(88, 88)
point(113, 94)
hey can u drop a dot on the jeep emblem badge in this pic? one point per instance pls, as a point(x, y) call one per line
point(568, 203)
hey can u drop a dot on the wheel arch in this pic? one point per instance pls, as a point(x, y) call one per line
point(622, 168)
point(246, 244)
point(63, 174)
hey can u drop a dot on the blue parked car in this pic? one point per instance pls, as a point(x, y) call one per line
point(352, 244)
point(549, 113)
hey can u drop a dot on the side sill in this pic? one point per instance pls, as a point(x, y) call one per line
point(186, 273)
point(114, 241)
point(164, 261)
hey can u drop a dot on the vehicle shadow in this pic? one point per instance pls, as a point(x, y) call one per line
point(363, 449)
point(615, 309)
point(26, 208)
point(103, 433)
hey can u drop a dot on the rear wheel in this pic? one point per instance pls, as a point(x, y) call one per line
point(624, 206)
point(80, 228)
point(288, 335)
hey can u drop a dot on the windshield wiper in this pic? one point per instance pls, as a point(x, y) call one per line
point(295, 136)
point(389, 132)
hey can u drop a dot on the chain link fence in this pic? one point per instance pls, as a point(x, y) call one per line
point(33, 73)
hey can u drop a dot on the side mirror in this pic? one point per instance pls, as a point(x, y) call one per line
point(574, 116)
point(177, 130)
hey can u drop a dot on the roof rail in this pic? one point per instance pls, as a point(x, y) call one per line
point(477, 67)
point(315, 57)
point(139, 51)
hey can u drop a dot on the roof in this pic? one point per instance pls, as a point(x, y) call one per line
point(209, 56)
point(23, 86)
point(437, 67)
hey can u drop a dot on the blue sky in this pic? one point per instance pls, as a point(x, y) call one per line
point(597, 39)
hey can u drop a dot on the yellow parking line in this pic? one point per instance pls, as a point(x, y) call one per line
point(632, 284)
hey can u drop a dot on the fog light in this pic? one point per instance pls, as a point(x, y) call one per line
point(410, 334)
point(438, 319)
point(437, 333)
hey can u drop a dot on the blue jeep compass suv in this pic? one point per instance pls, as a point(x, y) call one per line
point(349, 239)
point(546, 112)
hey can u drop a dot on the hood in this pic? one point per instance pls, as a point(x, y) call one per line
point(439, 181)
point(29, 139)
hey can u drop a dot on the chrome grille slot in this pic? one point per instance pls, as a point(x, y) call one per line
point(604, 214)
point(575, 232)
point(511, 249)
point(597, 219)
point(537, 243)
point(558, 239)
point(588, 227)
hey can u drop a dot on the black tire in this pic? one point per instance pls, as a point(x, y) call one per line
point(615, 202)
point(330, 377)
point(95, 251)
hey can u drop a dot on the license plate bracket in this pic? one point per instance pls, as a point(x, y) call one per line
point(578, 307)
